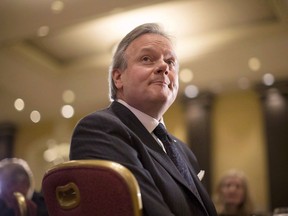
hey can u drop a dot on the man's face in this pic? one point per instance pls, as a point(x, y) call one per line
point(150, 81)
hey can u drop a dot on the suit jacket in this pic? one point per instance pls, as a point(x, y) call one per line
point(116, 134)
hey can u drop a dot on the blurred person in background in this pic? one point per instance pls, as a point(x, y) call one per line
point(16, 176)
point(232, 197)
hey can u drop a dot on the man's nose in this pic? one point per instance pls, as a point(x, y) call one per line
point(162, 67)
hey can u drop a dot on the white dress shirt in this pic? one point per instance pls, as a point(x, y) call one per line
point(148, 122)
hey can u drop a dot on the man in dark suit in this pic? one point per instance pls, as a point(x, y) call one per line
point(143, 85)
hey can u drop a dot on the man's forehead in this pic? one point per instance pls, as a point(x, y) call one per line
point(152, 42)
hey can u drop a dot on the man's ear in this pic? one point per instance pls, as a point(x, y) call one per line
point(117, 78)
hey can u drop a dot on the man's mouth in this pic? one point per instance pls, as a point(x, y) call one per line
point(161, 82)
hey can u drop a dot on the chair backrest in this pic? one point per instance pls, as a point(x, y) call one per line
point(25, 207)
point(91, 188)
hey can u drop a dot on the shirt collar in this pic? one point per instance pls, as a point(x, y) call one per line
point(149, 123)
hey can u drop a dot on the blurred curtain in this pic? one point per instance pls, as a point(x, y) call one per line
point(7, 136)
point(198, 111)
point(274, 101)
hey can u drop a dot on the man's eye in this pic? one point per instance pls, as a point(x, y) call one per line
point(146, 59)
point(171, 62)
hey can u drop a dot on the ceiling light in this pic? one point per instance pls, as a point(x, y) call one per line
point(43, 31)
point(68, 96)
point(57, 6)
point(67, 111)
point(57, 153)
point(49, 155)
point(19, 104)
point(35, 116)
point(191, 91)
point(186, 75)
point(275, 100)
point(254, 64)
point(268, 79)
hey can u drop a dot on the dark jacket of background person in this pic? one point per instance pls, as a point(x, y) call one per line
point(38, 199)
point(5, 210)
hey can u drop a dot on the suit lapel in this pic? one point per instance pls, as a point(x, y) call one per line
point(129, 119)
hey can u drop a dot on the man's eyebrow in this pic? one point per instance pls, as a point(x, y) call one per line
point(152, 48)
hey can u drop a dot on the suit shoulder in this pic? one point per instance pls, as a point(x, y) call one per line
point(100, 115)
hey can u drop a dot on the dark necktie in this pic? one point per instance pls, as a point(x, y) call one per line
point(174, 155)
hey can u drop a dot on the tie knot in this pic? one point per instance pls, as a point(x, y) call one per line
point(160, 131)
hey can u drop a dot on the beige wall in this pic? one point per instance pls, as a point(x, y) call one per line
point(238, 141)
point(175, 121)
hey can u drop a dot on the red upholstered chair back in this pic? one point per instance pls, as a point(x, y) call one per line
point(91, 188)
